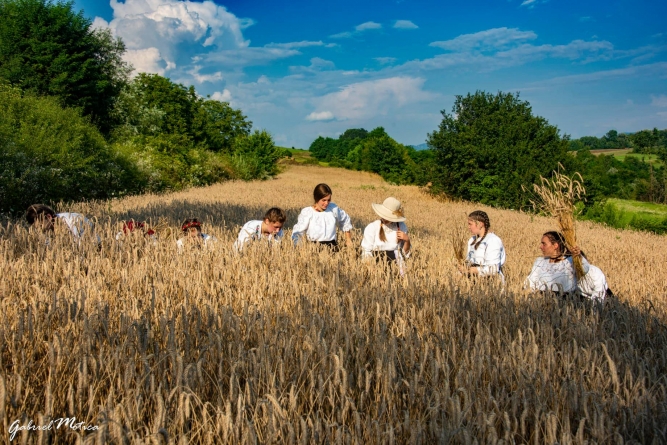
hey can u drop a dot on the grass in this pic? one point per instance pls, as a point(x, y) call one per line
point(295, 345)
point(622, 154)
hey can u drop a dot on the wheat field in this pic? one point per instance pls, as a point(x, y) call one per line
point(296, 345)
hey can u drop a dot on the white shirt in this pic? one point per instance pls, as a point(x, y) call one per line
point(593, 285)
point(555, 277)
point(76, 223)
point(372, 241)
point(251, 231)
point(489, 255)
point(321, 226)
point(207, 241)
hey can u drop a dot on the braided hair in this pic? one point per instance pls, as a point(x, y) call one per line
point(482, 217)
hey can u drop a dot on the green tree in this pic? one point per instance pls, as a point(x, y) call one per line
point(644, 140)
point(491, 145)
point(49, 49)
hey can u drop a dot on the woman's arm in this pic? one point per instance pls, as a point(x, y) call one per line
point(301, 225)
point(492, 258)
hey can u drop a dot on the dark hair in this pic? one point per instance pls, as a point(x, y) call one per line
point(37, 211)
point(275, 214)
point(191, 222)
point(482, 217)
point(321, 191)
point(558, 238)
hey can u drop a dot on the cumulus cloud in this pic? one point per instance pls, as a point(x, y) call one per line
point(486, 40)
point(222, 96)
point(196, 74)
point(405, 24)
point(320, 116)
point(161, 35)
point(370, 98)
point(659, 101)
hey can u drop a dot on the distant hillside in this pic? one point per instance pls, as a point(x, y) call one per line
point(423, 146)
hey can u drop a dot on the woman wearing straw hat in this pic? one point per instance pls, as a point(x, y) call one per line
point(387, 238)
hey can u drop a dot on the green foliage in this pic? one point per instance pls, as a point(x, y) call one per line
point(648, 141)
point(492, 145)
point(628, 215)
point(49, 154)
point(611, 140)
point(256, 155)
point(49, 49)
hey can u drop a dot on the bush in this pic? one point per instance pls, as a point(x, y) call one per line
point(48, 153)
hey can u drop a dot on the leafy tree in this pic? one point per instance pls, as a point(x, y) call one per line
point(379, 153)
point(256, 155)
point(49, 153)
point(644, 140)
point(49, 49)
point(491, 145)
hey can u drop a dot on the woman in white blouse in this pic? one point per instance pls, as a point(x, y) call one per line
point(387, 238)
point(554, 271)
point(486, 252)
point(318, 222)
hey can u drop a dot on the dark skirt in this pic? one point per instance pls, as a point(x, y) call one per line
point(332, 245)
point(385, 256)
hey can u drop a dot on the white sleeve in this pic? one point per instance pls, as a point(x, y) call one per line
point(344, 222)
point(368, 242)
point(493, 256)
point(301, 225)
point(244, 236)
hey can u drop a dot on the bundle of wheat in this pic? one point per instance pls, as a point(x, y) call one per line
point(557, 197)
point(459, 242)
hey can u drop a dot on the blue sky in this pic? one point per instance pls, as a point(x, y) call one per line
point(301, 69)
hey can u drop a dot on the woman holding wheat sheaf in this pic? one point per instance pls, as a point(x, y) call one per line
point(486, 252)
point(387, 238)
point(554, 271)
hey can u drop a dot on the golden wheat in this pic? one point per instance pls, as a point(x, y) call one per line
point(295, 345)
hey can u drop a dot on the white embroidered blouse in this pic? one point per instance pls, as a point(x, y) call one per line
point(555, 277)
point(593, 285)
point(251, 231)
point(372, 241)
point(489, 256)
point(321, 226)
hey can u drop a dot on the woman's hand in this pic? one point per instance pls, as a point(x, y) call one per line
point(402, 236)
point(575, 251)
point(348, 239)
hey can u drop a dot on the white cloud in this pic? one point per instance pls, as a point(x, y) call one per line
point(529, 3)
point(367, 25)
point(357, 30)
point(405, 24)
point(301, 44)
point(495, 38)
point(201, 78)
point(385, 60)
point(320, 116)
point(170, 33)
point(366, 99)
point(222, 96)
point(659, 101)
point(148, 60)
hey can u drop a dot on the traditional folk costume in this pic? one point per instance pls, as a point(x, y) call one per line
point(391, 249)
point(593, 285)
point(320, 227)
point(252, 231)
point(558, 276)
point(488, 256)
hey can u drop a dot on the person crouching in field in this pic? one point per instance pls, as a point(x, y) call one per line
point(269, 229)
point(387, 238)
point(554, 271)
point(593, 285)
point(319, 221)
point(193, 236)
point(44, 219)
point(486, 252)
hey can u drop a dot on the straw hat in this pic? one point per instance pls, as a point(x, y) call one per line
point(390, 210)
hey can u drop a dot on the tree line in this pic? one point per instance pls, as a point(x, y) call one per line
point(75, 125)
point(491, 148)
